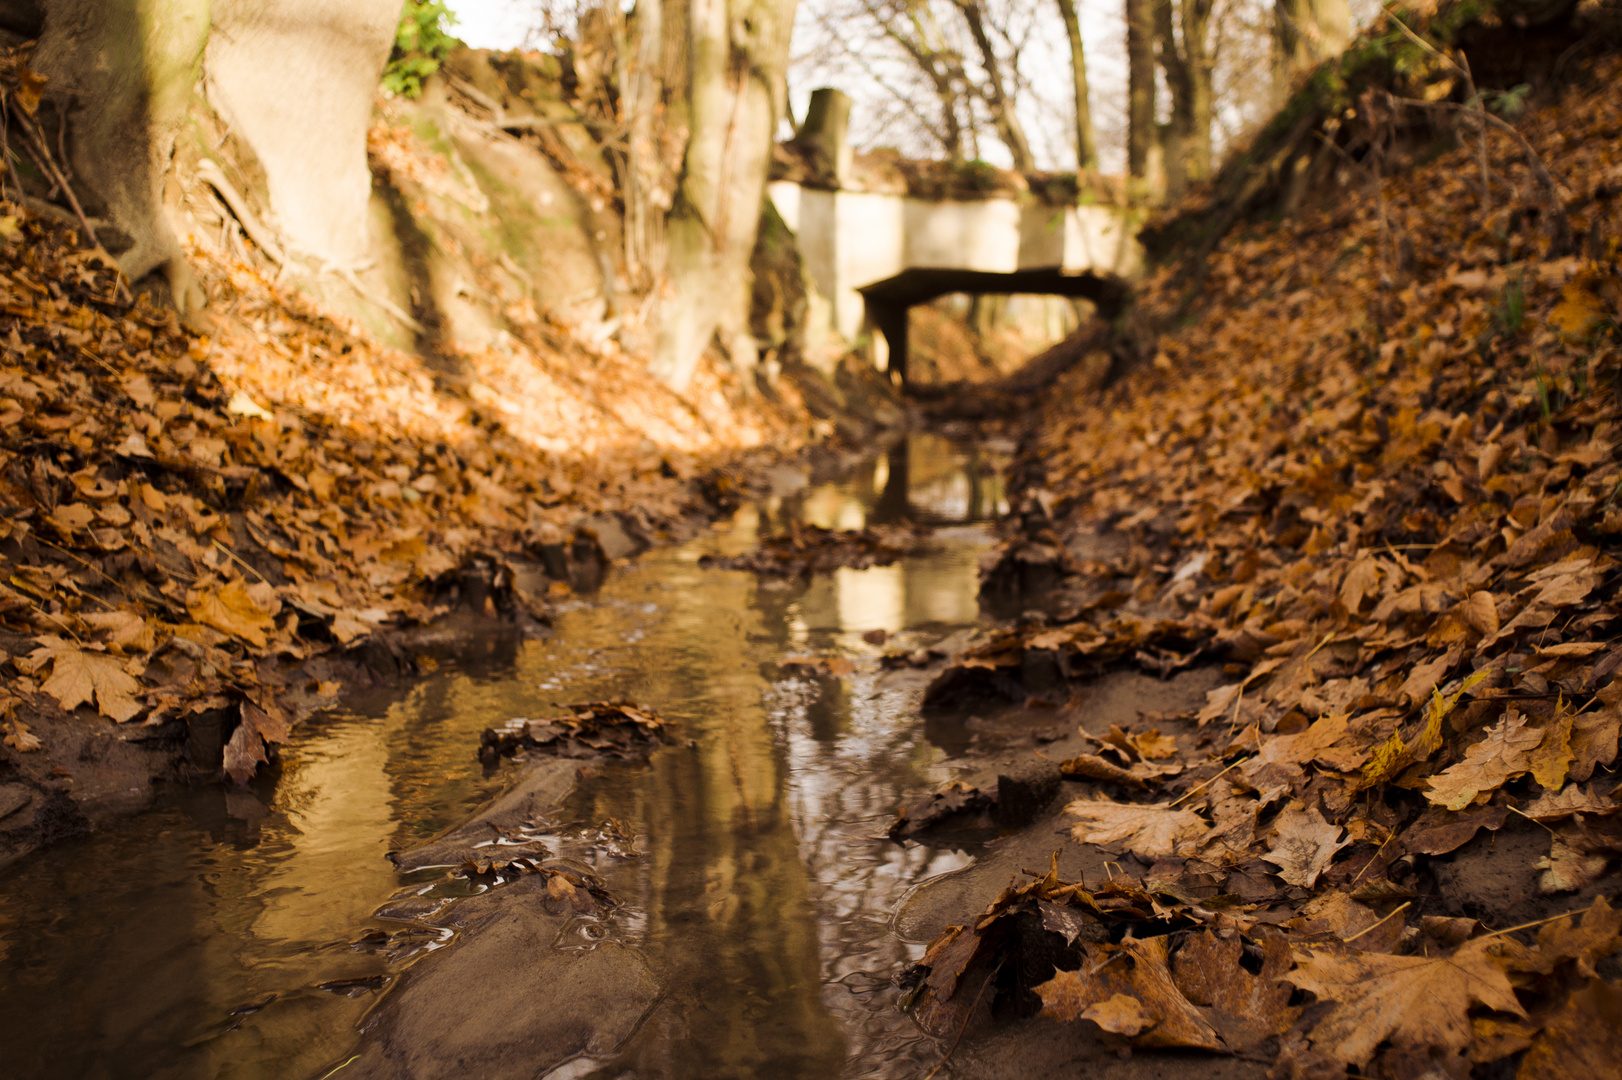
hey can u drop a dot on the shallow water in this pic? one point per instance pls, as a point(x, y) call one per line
point(225, 934)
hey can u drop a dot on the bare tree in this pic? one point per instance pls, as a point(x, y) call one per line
point(1140, 51)
point(1086, 138)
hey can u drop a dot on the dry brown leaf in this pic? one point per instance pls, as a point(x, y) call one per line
point(245, 750)
point(1360, 582)
point(1245, 1009)
point(1480, 611)
point(1151, 745)
point(1571, 864)
point(1119, 1014)
point(1593, 740)
point(1303, 845)
point(1159, 829)
point(1572, 799)
point(78, 675)
point(1553, 756)
point(1420, 1001)
point(1506, 752)
point(1134, 969)
point(1438, 832)
point(1580, 1039)
point(234, 609)
point(1597, 936)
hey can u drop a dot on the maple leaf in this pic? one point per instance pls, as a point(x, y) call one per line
point(1159, 829)
point(234, 609)
point(1597, 936)
point(1506, 752)
point(1421, 1001)
point(1304, 845)
point(1579, 1039)
point(78, 675)
point(1245, 1009)
point(1136, 970)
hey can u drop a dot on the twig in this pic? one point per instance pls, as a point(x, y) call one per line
point(966, 1018)
point(1530, 818)
point(1529, 925)
point(244, 565)
point(1401, 907)
point(1372, 861)
point(1208, 783)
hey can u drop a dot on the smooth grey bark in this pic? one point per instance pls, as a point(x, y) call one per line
point(738, 60)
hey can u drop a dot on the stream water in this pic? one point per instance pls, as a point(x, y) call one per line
point(225, 933)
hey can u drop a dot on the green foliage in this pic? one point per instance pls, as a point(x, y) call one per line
point(1509, 102)
point(420, 45)
point(1510, 311)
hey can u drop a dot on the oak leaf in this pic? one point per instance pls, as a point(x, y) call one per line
point(1597, 936)
point(1157, 829)
point(1572, 862)
point(1137, 970)
point(78, 675)
point(1420, 1001)
point(1304, 845)
point(1572, 799)
point(1505, 753)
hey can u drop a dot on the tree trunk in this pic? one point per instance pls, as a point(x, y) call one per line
point(1140, 54)
point(1086, 139)
point(1305, 33)
point(1187, 65)
point(999, 102)
point(738, 58)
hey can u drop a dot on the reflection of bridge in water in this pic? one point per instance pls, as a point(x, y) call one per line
point(871, 255)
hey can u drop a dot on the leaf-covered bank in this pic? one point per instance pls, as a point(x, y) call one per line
point(206, 536)
point(1375, 479)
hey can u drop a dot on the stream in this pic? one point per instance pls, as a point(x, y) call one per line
point(233, 933)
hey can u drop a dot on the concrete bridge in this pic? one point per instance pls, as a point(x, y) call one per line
point(871, 255)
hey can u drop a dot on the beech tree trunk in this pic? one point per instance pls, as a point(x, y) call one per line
point(1140, 58)
point(1186, 60)
point(737, 59)
point(1086, 138)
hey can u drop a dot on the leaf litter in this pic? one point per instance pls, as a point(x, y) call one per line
point(1391, 514)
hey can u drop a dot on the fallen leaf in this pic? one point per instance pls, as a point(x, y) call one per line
point(1580, 1039)
point(1120, 1014)
point(1480, 611)
point(1136, 970)
point(1597, 936)
point(1553, 756)
point(1572, 799)
point(245, 750)
point(233, 609)
point(1506, 752)
point(1245, 1009)
point(1571, 864)
point(78, 675)
point(1360, 582)
point(1421, 1001)
point(1438, 832)
point(1593, 741)
point(1143, 830)
point(1304, 845)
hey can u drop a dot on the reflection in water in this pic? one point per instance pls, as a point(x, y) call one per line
point(193, 942)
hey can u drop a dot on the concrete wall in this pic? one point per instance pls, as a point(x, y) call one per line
point(851, 239)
